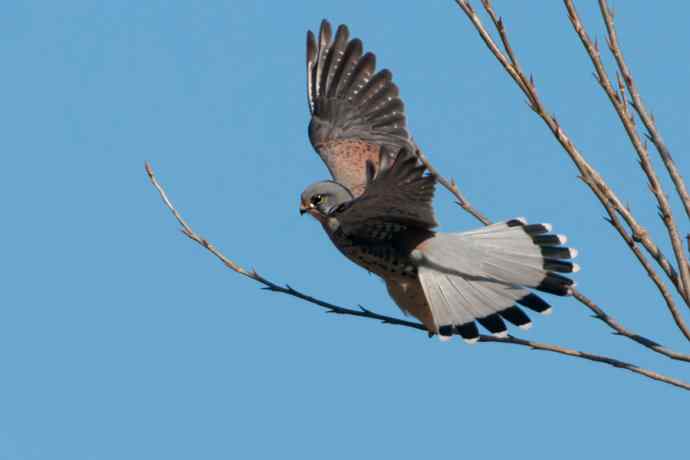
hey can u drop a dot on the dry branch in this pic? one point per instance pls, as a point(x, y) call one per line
point(648, 121)
point(452, 187)
point(653, 275)
point(365, 313)
point(512, 67)
point(640, 147)
point(590, 176)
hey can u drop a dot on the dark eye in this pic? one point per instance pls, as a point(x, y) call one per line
point(317, 199)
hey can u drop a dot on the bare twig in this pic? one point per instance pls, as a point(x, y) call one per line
point(268, 285)
point(365, 313)
point(592, 178)
point(584, 167)
point(525, 85)
point(648, 121)
point(620, 330)
point(639, 146)
point(507, 65)
point(653, 275)
point(596, 183)
point(452, 187)
point(590, 357)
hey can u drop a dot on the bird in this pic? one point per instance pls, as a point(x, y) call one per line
point(378, 208)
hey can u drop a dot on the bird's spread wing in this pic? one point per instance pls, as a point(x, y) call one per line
point(354, 110)
point(398, 197)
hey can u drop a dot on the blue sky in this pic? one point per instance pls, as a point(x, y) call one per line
point(119, 338)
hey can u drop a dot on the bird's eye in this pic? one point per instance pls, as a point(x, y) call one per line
point(317, 199)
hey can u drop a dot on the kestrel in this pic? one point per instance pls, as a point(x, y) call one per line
point(378, 210)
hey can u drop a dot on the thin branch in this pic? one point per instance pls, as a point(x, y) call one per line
point(640, 108)
point(365, 313)
point(653, 275)
point(600, 314)
point(502, 59)
point(596, 184)
point(593, 179)
point(525, 84)
point(583, 166)
point(268, 285)
point(590, 357)
point(452, 187)
point(639, 146)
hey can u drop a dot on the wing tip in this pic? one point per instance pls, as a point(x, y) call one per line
point(325, 31)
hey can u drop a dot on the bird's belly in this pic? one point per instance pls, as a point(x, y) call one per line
point(409, 295)
point(396, 269)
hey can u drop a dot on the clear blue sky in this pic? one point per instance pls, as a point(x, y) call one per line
point(121, 339)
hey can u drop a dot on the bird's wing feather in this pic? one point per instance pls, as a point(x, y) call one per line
point(354, 110)
point(397, 197)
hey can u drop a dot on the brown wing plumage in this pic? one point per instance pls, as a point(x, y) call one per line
point(355, 111)
point(399, 197)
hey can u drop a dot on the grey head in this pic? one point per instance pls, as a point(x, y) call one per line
point(322, 198)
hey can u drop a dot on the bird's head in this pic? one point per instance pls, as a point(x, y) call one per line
point(322, 198)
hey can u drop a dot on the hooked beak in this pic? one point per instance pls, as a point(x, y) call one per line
point(303, 209)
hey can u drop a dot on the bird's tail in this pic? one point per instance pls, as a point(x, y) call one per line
point(481, 274)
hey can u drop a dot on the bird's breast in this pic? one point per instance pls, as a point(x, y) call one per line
point(383, 258)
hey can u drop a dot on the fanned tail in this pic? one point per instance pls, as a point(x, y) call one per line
point(482, 274)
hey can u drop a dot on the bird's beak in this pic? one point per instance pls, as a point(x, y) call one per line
point(302, 209)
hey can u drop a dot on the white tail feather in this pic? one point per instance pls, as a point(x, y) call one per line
point(474, 274)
